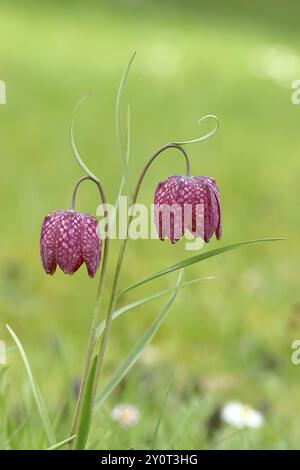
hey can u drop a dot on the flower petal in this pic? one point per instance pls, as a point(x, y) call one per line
point(47, 243)
point(69, 241)
point(168, 213)
point(218, 200)
point(91, 244)
point(205, 195)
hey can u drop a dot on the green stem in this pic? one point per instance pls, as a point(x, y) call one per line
point(114, 292)
point(95, 320)
point(111, 309)
point(113, 298)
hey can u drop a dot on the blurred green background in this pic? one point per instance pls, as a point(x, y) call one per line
point(226, 339)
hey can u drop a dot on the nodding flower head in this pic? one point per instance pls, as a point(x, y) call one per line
point(188, 202)
point(70, 238)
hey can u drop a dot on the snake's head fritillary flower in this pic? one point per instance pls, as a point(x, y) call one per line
point(188, 202)
point(69, 238)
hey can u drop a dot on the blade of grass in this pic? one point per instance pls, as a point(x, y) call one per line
point(147, 299)
point(73, 143)
point(35, 389)
point(195, 259)
point(137, 350)
point(62, 443)
point(162, 409)
point(120, 134)
point(122, 183)
point(85, 416)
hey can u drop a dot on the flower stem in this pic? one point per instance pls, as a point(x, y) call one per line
point(114, 292)
point(111, 309)
point(95, 321)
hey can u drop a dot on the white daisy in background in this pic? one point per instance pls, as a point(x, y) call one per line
point(126, 415)
point(240, 415)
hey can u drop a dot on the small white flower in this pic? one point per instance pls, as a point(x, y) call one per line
point(241, 416)
point(126, 415)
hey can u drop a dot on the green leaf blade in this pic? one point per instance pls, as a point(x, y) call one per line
point(35, 389)
point(124, 147)
point(147, 299)
point(137, 350)
point(196, 259)
point(85, 416)
point(62, 443)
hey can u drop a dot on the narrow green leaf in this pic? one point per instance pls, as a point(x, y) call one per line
point(85, 416)
point(35, 389)
point(120, 134)
point(195, 259)
point(137, 350)
point(122, 183)
point(73, 143)
point(203, 137)
point(157, 426)
point(145, 300)
point(62, 443)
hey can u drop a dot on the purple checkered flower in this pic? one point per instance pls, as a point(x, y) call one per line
point(188, 203)
point(70, 238)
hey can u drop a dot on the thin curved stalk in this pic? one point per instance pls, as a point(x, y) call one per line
point(87, 178)
point(92, 336)
point(93, 330)
point(113, 298)
point(203, 137)
point(73, 144)
point(120, 134)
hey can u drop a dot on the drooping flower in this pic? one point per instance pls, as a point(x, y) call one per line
point(69, 238)
point(188, 202)
point(240, 415)
point(126, 415)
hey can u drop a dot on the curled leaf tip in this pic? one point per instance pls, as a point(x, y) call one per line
point(206, 136)
point(73, 144)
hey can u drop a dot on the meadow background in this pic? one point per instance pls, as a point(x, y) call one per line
point(226, 339)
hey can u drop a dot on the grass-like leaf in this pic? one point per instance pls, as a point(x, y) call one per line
point(122, 183)
point(137, 350)
point(120, 134)
point(35, 390)
point(145, 300)
point(73, 143)
point(62, 443)
point(162, 409)
point(85, 416)
point(195, 259)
